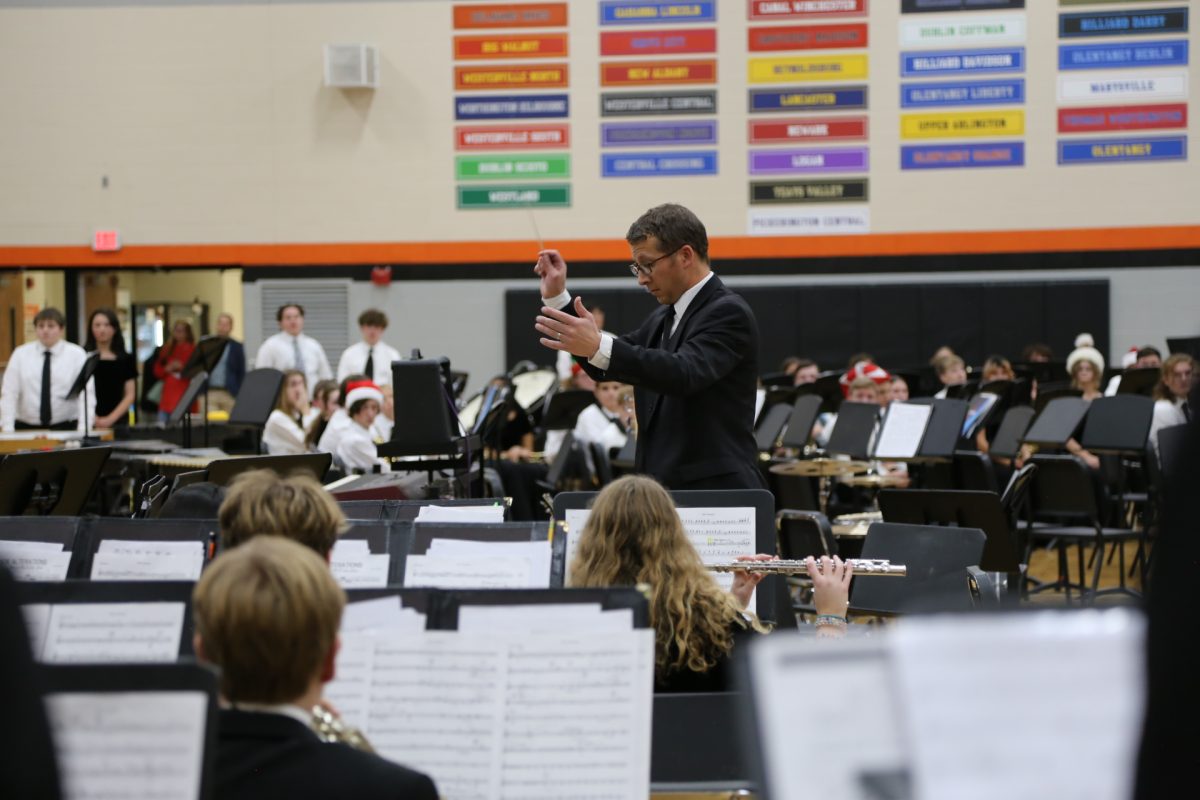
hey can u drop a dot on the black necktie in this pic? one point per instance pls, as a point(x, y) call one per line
point(1187, 411)
point(369, 369)
point(667, 323)
point(46, 416)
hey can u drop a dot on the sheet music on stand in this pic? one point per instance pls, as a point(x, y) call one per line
point(1043, 704)
point(65, 633)
point(902, 431)
point(508, 715)
point(35, 561)
point(145, 560)
point(467, 564)
point(356, 567)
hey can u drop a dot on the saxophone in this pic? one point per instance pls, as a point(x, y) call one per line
point(329, 728)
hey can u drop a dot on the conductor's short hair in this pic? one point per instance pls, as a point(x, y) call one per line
point(673, 226)
point(285, 307)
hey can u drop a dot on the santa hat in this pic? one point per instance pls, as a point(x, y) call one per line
point(863, 369)
point(1085, 350)
point(1130, 358)
point(362, 390)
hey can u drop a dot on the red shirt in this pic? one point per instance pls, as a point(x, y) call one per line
point(173, 385)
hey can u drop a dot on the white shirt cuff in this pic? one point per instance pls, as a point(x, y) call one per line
point(603, 357)
point(558, 302)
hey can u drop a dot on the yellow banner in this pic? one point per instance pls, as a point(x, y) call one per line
point(958, 125)
point(806, 68)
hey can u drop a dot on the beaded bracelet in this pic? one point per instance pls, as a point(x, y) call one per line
point(831, 620)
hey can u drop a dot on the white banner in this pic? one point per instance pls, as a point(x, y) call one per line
point(965, 30)
point(1122, 86)
point(808, 220)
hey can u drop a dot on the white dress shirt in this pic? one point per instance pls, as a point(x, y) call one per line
point(279, 352)
point(283, 437)
point(21, 392)
point(595, 425)
point(603, 357)
point(356, 449)
point(1167, 414)
point(333, 431)
point(354, 358)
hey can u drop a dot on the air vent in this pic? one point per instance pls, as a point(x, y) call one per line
point(352, 66)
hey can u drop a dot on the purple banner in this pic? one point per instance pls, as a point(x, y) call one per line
point(808, 160)
point(642, 134)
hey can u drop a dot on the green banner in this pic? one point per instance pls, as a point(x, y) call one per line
point(508, 167)
point(510, 196)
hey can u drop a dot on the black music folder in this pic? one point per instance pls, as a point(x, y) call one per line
point(853, 430)
point(1058, 421)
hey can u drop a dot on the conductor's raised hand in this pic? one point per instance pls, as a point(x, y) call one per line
point(578, 335)
point(552, 269)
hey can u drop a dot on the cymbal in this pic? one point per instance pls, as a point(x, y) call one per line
point(877, 481)
point(821, 467)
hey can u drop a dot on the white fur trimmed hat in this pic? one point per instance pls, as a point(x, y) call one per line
point(1085, 350)
point(362, 390)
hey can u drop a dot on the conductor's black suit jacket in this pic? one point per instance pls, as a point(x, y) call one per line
point(261, 755)
point(694, 392)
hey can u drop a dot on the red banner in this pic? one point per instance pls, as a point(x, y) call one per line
point(636, 73)
point(495, 47)
point(511, 137)
point(531, 15)
point(806, 9)
point(808, 129)
point(1122, 118)
point(658, 43)
point(518, 76)
point(808, 37)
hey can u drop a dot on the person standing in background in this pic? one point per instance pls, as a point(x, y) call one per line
point(372, 356)
point(168, 366)
point(226, 378)
point(291, 349)
point(38, 377)
point(116, 371)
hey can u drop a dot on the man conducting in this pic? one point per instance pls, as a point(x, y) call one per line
point(693, 363)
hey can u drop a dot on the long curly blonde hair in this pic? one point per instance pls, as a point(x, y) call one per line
point(634, 536)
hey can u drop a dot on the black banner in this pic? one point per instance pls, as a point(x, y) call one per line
point(638, 104)
point(815, 191)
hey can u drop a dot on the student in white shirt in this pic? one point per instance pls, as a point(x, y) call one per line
point(356, 446)
point(606, 423)
point(285, 428)
point(27, 399)
point(291, 349)
point(338, 420)
point(951, 371)
point(1171, 395)
point(372, 356)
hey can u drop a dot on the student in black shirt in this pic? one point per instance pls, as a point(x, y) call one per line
point(116, 372)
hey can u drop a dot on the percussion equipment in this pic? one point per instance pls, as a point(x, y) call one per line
point(876, 481)
point(821, 467)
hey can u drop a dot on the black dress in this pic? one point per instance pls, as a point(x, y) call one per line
point(718, 678)
point(110, 382)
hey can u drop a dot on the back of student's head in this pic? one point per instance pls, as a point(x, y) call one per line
point(267, 613)
point(296, 507)
point(947, 363)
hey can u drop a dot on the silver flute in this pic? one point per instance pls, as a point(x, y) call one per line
point(861, 566)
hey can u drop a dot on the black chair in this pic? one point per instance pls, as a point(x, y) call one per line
point(803, 534)
point(771, 426)
point(601, 464)
point(256, 400)
point(936, 559)
point(1066, 491)
point(974, 471)
point(1170, 447)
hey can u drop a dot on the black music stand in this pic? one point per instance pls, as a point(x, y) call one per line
point(183, 411)
point(563, 408)
point(800, 423)
point(1139, 381)
point(1186, 344)
point(204, 359)
point(852, 432)
point(1057, 422)
point(55, 483)
point(256, 400)
point(80, 385)
point(224, 470)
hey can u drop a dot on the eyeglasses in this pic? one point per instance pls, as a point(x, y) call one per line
point(637, 269)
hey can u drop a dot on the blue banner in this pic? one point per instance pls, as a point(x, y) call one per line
point(512, 106)
point(1123, 23)
point(622, 12)
point(1099, 151)
point(630, 165)
point(956, 62)
point(970, 93)
point(1104, 56)
point(952, 156)
point(821, 98)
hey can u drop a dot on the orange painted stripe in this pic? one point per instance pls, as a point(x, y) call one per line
point(1176, 237)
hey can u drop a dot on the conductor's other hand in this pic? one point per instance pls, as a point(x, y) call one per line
point(552, 269)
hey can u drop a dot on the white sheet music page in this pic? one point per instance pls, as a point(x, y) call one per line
point(1023, 705)
point(108, 632)
point(470, 572)
point(841, 688)
point(135, 560)
point(132, 745)
point(537, 552)
point(35, 561)
point(492, 513)
point(575, 518)
point(436, 701)
point(359, 570)
point(721, 534)
point(576, 716)
point(543, 618)
point(903, 429)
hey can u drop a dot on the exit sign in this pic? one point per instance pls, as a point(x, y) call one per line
point(106, 241)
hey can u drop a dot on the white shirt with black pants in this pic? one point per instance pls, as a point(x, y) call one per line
point(354, 362)
point(284, 351)
point(21, 393)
